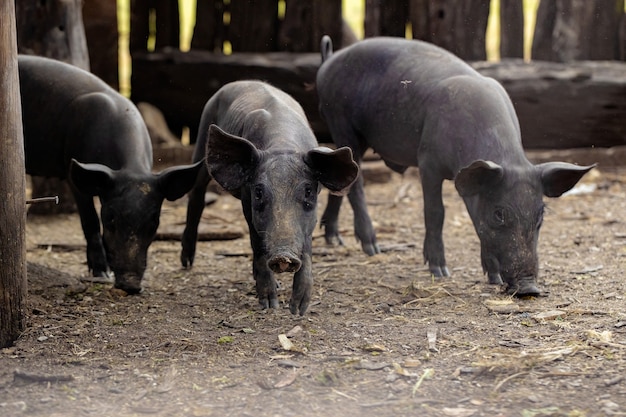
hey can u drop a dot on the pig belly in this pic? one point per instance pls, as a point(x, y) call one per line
point(395, 147)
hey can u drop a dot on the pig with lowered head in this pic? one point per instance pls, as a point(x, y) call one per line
point(78, 128)
point(416, 104)
point(260, 148)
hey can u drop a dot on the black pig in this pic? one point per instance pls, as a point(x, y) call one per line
point(70, 115)
point(416, 104)
point(260, 148)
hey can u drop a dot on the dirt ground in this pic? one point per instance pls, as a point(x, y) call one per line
point(382, 338)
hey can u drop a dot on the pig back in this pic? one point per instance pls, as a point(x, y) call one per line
point(70, 113)
point(381, 87)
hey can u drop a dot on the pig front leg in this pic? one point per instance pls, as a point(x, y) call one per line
point(96, 255)
point(434, 214)
point(195, 206)
point(302, 284)
point(266, 286)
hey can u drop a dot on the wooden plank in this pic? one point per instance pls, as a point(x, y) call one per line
point(187, 80)
point(559, 105)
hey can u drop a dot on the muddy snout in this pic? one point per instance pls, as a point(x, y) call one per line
point(284, 262)
point(131, 283)
point(524, 287)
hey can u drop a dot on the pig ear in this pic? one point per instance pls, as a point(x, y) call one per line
point(175, 182)
point(559, 177)
point(336, 170)
point(91, 179)
point(230, 159)
point(477, 176)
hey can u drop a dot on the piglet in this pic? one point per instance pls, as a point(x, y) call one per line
point(260, 148)
point(76, 127)
point(416, 104)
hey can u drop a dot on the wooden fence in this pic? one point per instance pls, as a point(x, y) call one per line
point(277, 40)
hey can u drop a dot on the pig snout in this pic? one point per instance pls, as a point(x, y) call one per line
point(129, 282)
point(524, 287)
point(284, 262)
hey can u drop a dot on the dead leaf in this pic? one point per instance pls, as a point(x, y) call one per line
point(458, 412)
point(287, 380)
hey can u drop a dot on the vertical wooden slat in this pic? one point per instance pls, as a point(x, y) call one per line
point(327, 21)
point(167, 24)
point(459, 26)
point(511, 28)
point(568, 30)
point(544, 25)
point(139, 25)
point(253, 25)
point(13, 284)
point(373, 10)
point(100, 19)
point(386, 17)
point(418, 16)
point(208, 32)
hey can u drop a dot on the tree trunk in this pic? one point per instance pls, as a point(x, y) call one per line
point(12, 186)
point(53, 29)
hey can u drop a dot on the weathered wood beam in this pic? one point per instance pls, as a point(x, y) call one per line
point(573, 105)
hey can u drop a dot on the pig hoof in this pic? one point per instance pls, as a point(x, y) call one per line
point(100, 274)
point(371, 248)
point(293, 307)
point(524, 290)
point(495, 279)
point(439, 271)
point(131, 290)
point(268, 303)
point(334, 240)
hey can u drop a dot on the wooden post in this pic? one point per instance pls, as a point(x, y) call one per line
point(511, 29)
point(53, 29)
point(12, 186)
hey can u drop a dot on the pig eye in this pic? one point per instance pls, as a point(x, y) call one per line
point(259, 198)
point(309, 195)
point(499, 216)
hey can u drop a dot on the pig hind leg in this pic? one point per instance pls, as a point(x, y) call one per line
point(363, 228)
point(434, 214)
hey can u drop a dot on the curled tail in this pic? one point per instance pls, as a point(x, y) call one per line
point(326, 47)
